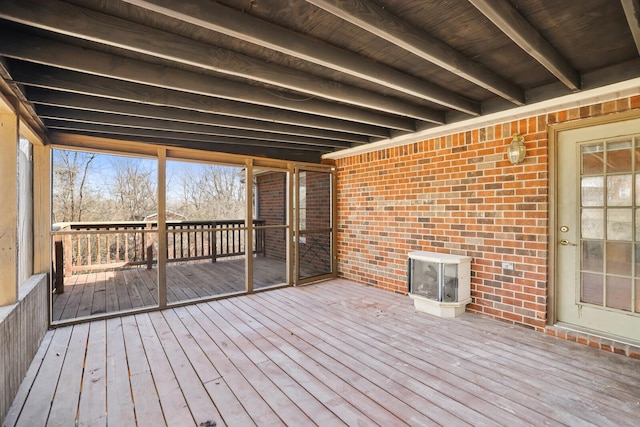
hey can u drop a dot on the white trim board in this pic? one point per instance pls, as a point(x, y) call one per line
point(574, 100)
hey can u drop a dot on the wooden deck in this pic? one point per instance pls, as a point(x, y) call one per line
point(333, 353)
point(124, 289)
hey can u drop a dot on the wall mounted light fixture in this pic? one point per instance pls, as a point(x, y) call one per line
point(516, 152)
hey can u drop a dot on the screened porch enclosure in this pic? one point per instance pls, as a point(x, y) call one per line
point(226, 230)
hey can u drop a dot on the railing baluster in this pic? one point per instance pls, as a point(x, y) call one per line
point(68, 255)
point(108, 249)
point(188, 241)
point(78, 257)
point(126, 248)
point(217, 241)
point(98, 250)
point(111, 245)
point(174, 242)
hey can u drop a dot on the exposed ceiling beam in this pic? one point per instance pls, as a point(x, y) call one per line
point(89, 140)
point(632, 12)
point(79, 102)
point(222, 19)
point(518, 29)
point(377, 20)
point(71, 81)
point(133, 132)
point(100, 118)
point(101, 28)
point(48, 52)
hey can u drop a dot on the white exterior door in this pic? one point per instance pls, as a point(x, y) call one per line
point(598, 235)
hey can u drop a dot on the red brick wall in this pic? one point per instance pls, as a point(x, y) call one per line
point(272, 207)
point(458, 194)
point(315, 252)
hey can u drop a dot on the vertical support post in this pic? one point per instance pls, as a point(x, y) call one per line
point(289, 246)
point(162, 227)
point(214, 242)
point(334, 222)
point(8, 208)
point(248, 241)
point(68, 253)
point(149, 242)
point(41, 209)
point(59, 265)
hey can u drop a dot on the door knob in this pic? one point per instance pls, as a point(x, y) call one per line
point(565, 242)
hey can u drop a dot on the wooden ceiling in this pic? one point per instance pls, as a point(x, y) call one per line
point(295, 79)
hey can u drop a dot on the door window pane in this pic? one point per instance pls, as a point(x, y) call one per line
point(637, 189)
point(619, 224)
point(619, 190)
point(591, 288)
point(619, 157)
point(592, 189)
point(619, 293)
point(638, 226)
point(619, 259)
point(610, 224)
point(592, 256)
point(592, 224)
point(592, 159)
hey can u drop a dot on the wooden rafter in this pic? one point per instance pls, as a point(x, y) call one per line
point(49, 52)
point(518, 29)
point(71, 81)
point(379, 21)
point(76, 102)
point(101, 118)
point(632, 12)
point(113, 128)
point(98, 27)
point(216, 17)
point(84, 139)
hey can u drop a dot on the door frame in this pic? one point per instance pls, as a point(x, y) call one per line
point(553, 135)
point(296, 223)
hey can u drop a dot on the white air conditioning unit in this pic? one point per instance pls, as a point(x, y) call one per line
point(440, 284)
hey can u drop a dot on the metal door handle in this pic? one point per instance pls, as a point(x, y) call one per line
point(565, 242)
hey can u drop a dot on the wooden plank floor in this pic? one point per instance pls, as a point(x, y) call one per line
point(112, 291)
point(333, 353)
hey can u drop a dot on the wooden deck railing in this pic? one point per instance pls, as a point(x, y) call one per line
point(81, 247)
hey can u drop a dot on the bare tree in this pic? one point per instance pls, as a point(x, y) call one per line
point(133, 189)
point(212, 192)
point(70, 193)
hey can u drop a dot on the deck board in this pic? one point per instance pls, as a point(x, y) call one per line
point(44, 387)
point(65, 405)
point(505, 368)
point(204, 357)
point(333, 353)
point(92, 409)
point(121, 408)
point(437, 369)
point(516, 366)
point(170, 394)
point(216, 342)
point(198, 400)
point(543, 354)
point(148, 411)
point(426, 398)
point(103, 292)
